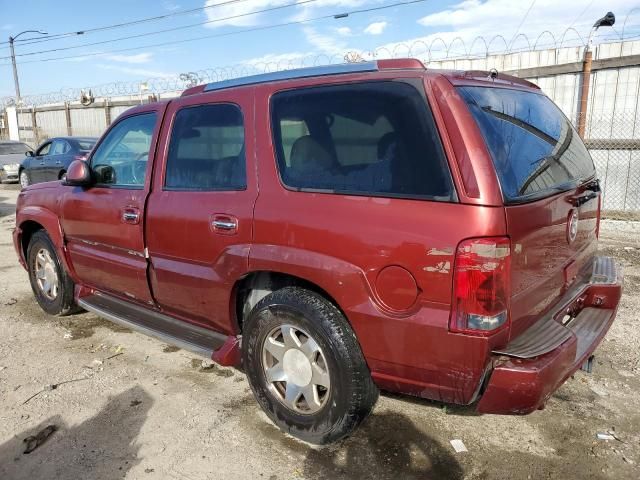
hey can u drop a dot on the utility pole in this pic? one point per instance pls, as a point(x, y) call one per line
point(13, 61)
point(607, 21)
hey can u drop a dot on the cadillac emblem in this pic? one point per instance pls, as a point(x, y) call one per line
point(572, 226)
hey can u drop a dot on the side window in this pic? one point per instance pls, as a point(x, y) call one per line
point(44, 150)
point(59, 147)
point(375, 138)
point(207, 149)
point(121, 158)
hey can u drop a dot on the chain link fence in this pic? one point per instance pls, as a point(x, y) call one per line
point(614, 144)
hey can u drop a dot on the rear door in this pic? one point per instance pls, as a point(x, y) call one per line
point(552, 198)
point(199, 219)
point(103, 224)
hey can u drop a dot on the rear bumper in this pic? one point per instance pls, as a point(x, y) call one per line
point(531, 367)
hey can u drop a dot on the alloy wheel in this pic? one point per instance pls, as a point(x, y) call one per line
point(295, 369)
point(46, 274)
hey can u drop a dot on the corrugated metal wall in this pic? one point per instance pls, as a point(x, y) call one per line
point(88, 122)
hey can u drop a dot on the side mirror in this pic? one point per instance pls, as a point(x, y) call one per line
point(29, 153)
point(78, 174)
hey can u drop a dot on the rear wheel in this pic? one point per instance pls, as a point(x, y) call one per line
point(51, 285)
point(305, 366)
point(24, 179)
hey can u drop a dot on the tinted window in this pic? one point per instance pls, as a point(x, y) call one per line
point(59, 147)
point(44, 150)
point(86, 144)
point(207, 149)
point(13, 148)
point(121, 158)
point(368, 138)
point(535, 149)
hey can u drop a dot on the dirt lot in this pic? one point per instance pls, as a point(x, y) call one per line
point(137, 408)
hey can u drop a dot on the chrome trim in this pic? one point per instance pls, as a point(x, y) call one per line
point(130, 216)
point(294, 73)
point(222, 225)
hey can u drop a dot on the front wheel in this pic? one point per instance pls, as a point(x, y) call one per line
point(50, 283)
point(24, 179)
point(305, 366)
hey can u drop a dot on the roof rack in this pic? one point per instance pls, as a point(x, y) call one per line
point(294, 73)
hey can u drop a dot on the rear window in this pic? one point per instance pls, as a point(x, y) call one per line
point(535, 149)
point(86, 144)
point(375, 138)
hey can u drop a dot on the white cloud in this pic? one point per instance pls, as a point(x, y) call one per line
point(326, 44)
point(144, 57)
point(343, 31)
point(375, 28)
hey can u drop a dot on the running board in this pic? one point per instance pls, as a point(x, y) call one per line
point(168, 329)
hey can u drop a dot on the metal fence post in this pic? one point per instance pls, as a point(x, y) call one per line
point(107, 112)
point(34, 126)
point(67, 114)
point(584, 93)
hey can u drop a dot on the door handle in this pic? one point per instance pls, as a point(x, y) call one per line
point(225, 224)
point(131, 215)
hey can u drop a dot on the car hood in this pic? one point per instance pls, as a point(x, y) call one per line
point(12, 158)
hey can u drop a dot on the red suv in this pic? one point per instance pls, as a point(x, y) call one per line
point(338, 230)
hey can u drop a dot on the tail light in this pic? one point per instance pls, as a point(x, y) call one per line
point(481, 286)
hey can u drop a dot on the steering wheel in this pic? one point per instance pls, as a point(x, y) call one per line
point(138, 168)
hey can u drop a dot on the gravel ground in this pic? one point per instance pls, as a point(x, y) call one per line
point(136, 408)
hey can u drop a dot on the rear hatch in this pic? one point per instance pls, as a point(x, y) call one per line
point(550, 192)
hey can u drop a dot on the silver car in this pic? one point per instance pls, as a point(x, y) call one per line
point(11, 154)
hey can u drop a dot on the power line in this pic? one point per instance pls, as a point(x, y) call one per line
point(235, 32)
point(30, 40)
point(522, 21)
point(166, 30)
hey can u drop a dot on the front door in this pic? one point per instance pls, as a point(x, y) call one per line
point(200, 213)
point(53, 162)
point(103, 225)
point(38, 163)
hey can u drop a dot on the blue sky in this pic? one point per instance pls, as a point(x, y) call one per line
point(98, 64)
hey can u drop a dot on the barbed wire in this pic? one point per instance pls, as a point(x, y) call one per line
point(436, 50)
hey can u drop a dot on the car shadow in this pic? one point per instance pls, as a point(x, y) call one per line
point(386, 446)
point(449, 408)
point(101, 447)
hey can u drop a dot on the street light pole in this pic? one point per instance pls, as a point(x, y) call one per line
point(13, 60)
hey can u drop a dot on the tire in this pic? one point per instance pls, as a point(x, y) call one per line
point(335, 409)
point(60, 302)
point(24, 179)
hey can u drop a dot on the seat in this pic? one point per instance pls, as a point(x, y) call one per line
point(308, 156)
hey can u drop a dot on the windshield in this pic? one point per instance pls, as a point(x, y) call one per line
point(13, 148)
point(535, 149)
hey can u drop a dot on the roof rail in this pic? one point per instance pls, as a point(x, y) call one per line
point(294, 73)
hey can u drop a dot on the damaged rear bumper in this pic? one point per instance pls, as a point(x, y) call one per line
point(532, 366)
